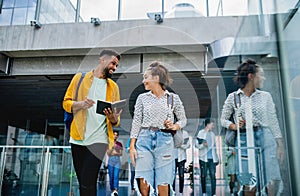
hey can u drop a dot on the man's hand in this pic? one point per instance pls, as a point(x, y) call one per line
point(87, 103)
point(82, 105)
point(112, 115)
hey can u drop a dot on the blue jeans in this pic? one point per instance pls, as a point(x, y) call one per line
point(258, 142)
point(114, 163)
point(155, 160)
point(266, 162)
point(132, 169)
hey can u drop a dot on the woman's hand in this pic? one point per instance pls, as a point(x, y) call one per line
point(132, 151)
point(233, 127)
point(171, 126)
point(132, 155)
point(242, 123)
point(280, 151)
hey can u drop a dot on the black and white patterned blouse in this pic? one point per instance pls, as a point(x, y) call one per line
point(262, 106)
point(151, 111)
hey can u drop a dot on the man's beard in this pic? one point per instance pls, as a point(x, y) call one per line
point(106, 73)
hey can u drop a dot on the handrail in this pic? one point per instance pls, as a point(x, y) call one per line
point(23, 146)
point(3, 158)
point(45, 178)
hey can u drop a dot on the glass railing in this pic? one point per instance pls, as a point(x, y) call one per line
point(46, 170)
point(37, 170)
point(250, 170)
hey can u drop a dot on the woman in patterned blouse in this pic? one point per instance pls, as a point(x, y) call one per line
point(259, 106)
point(151, 145)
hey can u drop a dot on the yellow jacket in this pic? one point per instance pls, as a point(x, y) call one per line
point(77, 128)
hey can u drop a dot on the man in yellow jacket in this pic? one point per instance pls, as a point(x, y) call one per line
point(91, 133)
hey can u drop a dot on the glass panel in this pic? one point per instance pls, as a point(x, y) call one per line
point(19, 16)
point(272, 85)
point(30, 15)
point(24, 166)
point(8, 3)
point(135, 9)
point(229, 8)
point(62, 179)
point(32, 3)
point(213, 8)
point(6, 17)
point(100, 9)
point(57, 11)
point(23, 171)
point(289, 45)
point(284, 6)
point(268, 6)
point(188, 8)
point(21, 3)
point(252, 172)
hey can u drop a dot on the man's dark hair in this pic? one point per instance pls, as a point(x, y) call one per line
point(207, 121)
point(116, 132)
point(110, 52)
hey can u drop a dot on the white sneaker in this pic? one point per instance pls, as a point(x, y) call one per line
point(204, 194)
point(114, 193)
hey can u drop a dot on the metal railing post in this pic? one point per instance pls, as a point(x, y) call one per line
point(45, 177)
point(2, 166)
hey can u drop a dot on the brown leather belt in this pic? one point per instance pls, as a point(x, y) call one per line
point(243, 130)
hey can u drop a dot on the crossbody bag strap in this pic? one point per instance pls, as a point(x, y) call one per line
point(78, 85)
point(237, 100)
point(170, 100)
point(237, 104)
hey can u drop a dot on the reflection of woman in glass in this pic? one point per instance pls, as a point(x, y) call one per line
point(151, 144)
point(260, 107)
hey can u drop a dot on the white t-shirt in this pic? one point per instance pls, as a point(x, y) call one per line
point(96, 130)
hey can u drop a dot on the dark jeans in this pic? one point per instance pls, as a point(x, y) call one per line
point(180, 166)
point(87, 161)
point(132, 169)
point(211, 166)
point(114, 164)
